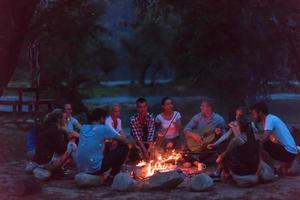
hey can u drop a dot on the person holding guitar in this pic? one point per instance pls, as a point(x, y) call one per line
point(204, 128)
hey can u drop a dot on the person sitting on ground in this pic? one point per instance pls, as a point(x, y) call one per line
point(277, 141)
point(168, 125)
point(32, 140)
point(90, 158)
point(72, 125)
point(114, 120)
point(241, 156)
point(115, 123)
point(204, 128)
point(142, 127)
point(238, 113)
point(53, 150)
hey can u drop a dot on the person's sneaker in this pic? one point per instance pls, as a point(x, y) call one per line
point(216, 177)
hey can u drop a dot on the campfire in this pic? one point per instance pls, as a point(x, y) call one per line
point(162, 163)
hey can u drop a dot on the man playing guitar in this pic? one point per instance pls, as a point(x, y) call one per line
point(208, 125)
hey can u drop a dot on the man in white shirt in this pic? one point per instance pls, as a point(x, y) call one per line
point(277, 140)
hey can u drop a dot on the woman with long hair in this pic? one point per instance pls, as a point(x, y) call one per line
point(241, 156)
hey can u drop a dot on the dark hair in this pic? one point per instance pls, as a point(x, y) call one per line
point(251, 146)
point(97, 114)
point(54, 116)
point(209, 102)
point(140, 100)
point(243, 109)
point(163, 101)
point(245, 127)
point(260, 107)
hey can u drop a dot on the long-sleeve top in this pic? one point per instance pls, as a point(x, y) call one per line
point(143, 131)
point(203, 124)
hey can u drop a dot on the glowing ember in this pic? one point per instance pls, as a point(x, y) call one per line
point(161, 164)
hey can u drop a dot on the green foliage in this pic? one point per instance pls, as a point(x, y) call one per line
point(232, 48)
point(153, 36)
point(71, 41)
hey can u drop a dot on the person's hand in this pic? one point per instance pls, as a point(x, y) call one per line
point(160, 134)
point(151, 147)
point(219, 159)
point(130, 146)
point(175, 124)
point(234, 128)
point(170, 145)
point(218, 131)
point(197, 138)
point(210, 146)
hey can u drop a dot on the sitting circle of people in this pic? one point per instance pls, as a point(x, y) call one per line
point(101, 145)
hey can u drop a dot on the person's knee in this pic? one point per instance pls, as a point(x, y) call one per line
point(30, 154)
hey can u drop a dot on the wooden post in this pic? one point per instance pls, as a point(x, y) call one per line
point(37, 98)
point(20, 100)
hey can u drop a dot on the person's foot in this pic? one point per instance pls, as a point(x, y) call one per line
point(187, 164)
point(225, 176)
point(63, 174)
point(216, 176)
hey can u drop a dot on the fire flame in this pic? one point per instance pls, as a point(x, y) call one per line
point(161, 164)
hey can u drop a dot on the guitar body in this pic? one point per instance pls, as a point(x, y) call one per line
point(208, 137)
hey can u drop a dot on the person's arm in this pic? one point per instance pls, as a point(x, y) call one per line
point(151, 130)
point(71, 133)
point(158, 127)
point(77, 125)
point(268, 127)
point(265, 136)
point(188, 130)
point(192, 124)
point(135, 131)
point(220, 129)
point(177, 123)
point(222, 138)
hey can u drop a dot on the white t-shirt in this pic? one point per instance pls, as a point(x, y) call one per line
point(164, 124)
point(109, 122)
point(280, 132)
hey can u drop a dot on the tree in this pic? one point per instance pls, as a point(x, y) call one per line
point(71, 45)
point(150, 45)
point(233, 48)
point(14, 21)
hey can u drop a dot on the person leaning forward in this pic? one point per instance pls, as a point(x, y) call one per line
point(142, 127)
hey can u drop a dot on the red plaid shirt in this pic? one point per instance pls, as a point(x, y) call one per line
point(143, 132)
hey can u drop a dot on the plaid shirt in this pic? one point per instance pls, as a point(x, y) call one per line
point(143, 132)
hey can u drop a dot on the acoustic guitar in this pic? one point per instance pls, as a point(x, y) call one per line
point(207, 137)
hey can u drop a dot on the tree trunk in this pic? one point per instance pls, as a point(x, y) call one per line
point(15, 18)
point(142, 75)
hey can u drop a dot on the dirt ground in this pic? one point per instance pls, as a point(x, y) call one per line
point(12, 163)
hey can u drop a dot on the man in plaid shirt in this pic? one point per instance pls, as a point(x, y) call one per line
point(142, 127)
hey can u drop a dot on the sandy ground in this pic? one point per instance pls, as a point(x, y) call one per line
point(12, 162)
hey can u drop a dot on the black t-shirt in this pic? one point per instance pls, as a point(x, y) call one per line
point(50, 140)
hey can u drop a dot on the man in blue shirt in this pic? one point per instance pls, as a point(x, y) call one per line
point(90, 158)
point(203, 128)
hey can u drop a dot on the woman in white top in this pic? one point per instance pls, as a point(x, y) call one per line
point(169, 125)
